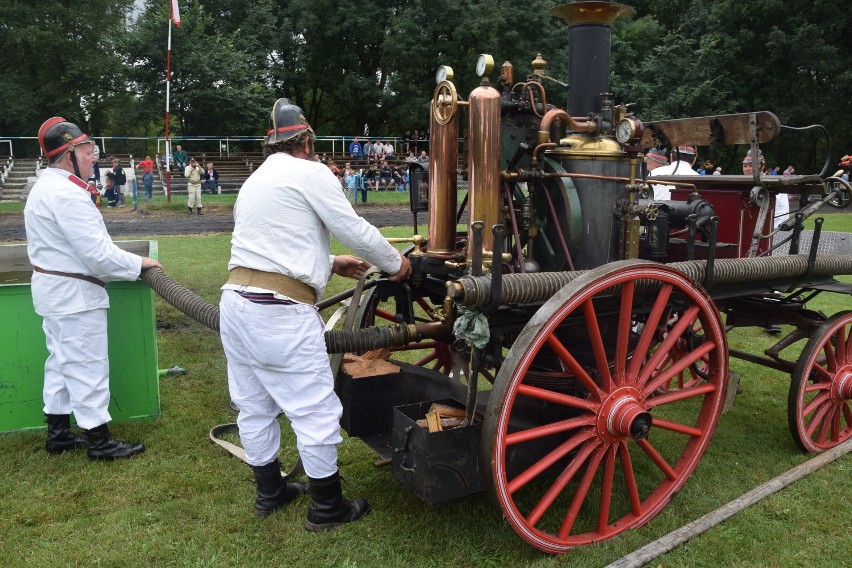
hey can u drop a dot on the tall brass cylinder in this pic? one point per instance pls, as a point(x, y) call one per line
point(484, 162)
point(443, 163)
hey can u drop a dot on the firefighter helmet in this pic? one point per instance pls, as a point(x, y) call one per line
point(285, 121)
point(56, 136)
point(748, 158)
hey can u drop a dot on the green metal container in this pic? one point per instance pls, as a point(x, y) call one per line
point(134, 383)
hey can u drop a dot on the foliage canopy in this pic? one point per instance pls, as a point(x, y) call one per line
point(351, 63)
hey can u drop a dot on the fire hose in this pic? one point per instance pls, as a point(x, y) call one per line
point(343, 341)
point(475, 291)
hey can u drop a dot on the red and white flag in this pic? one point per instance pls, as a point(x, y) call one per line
point(175, 12)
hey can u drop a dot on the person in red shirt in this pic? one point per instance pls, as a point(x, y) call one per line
point(147, 166)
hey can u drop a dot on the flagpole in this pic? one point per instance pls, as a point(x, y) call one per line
point(168, 92)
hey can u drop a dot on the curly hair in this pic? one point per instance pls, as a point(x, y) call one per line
point(289, 145)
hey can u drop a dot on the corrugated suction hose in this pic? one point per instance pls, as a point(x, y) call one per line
point(475, 291)
point(207, 314)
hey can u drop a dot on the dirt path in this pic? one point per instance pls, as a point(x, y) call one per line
point(122, 223)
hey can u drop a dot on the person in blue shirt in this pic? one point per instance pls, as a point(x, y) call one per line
point(355, 150)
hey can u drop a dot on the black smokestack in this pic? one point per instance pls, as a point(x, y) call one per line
point(589, 37)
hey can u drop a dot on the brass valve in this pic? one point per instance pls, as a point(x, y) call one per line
point(416, 240)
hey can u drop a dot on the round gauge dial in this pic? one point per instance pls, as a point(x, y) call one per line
point(626, 130)
point(444, 73)
point(484, 65)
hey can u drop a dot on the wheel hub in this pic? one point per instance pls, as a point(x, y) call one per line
point(622, 415)
point(841, 388)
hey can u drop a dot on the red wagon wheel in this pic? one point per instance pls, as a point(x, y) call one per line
point(818, 407)
point(585, 451)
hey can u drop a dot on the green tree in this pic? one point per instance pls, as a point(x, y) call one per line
point(60, 58)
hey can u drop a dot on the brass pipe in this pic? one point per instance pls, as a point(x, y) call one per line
point(544, 140)
point(443, 161)
point(517, 175)
point(484, 164)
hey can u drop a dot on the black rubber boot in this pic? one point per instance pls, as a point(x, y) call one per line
point(60, 438)
point(199, 210)
point(272, 491)
point(329, 509)
point(102, 446)
point(189, 210)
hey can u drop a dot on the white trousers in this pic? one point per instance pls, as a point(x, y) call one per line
point(76, 373)
point(193, 195)
point(277, 361)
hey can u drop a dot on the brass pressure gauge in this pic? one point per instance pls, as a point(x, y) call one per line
point(484, 65)
point(628, 129)
point(443, 73)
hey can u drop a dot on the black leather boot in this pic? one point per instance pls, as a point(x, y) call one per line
point(199, 210)
point(189, 210)
point(329, 509)
point(102, 446)
point(272, 491)
point(60, 438)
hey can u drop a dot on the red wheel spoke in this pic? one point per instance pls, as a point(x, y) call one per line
point(558, 398)
point(666, 376)
point(548, 430)
point(818, 400)
point(385, 315)
point(630, 479)
point(427, 359)
point(686, 320)
point(580, 495)
point(675, 427)
point(835, 425)
point(657, 459)
point(606, 490)
point(849, 346)
point(560, 483)
point(649, 330)
point(597, 344)
point(625, 328)
point(841, 354)
point(683, 394)
point(818, 419)
point(847, 413)
point(573, 365)
point(823, 385)
point(825, 425)
point(830, 360)
point(548, 460)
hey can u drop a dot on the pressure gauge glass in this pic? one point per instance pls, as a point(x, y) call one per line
point(625, 130)
point(444, 73)
point(484, 65)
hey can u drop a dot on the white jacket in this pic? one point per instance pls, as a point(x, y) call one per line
point(66, 233)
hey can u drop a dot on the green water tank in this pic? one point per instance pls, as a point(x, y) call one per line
point(134, 384)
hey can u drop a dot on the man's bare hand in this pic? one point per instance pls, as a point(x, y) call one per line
point(404, 271)
point(150, 263)
point(351, 266)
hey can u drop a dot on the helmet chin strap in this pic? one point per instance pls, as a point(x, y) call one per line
point(74, 162)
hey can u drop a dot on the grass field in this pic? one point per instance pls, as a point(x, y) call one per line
point(187, 503)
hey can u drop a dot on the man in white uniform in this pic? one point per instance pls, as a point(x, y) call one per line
point(271, 332)
point(655, 159)
point(682, 160)
point(73, 258)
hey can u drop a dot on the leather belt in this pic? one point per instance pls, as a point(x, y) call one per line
point(277, 282)
point(91, 279)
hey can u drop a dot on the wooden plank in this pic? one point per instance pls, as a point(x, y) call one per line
point(706, 130)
